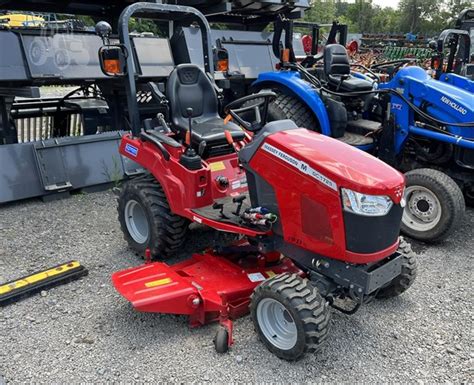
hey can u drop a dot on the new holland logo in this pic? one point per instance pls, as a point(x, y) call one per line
point(300, 165)
point(454, 105)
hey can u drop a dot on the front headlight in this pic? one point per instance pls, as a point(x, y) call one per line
point(363, 204)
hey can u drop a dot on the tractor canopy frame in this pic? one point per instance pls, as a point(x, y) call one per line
point(172, 14)
point(458, 42)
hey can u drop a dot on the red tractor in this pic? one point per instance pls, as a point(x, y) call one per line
point(318, 220)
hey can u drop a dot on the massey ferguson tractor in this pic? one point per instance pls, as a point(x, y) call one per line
point(318, 220)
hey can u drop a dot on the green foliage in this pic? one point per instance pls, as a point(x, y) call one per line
point(321, 11)
point(362, 16)
point(144, 25)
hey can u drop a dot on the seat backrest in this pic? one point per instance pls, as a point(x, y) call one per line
point(336, 60)
point(189, 87)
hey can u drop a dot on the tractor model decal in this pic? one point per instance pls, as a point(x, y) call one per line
point(454, 105)
point(302, 166)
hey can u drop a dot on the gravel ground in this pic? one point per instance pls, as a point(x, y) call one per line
point(85, 332)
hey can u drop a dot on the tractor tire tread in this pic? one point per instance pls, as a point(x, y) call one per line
point(452, 202)
point(408, 275)
point(289, 107)
point(306, 305)
point(168, 230)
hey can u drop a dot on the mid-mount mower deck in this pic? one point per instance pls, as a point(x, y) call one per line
point(318, 220)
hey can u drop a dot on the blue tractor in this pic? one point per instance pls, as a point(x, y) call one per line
point(420, 125)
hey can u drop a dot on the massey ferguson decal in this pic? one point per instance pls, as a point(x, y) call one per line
point(302, 166)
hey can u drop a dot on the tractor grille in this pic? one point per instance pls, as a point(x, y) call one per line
point(367, 235)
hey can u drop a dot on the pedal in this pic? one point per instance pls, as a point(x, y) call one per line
point(220, 207)
point(21, 288)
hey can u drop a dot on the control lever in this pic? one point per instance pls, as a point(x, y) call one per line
point(230, 140)
point(189, 113)
point(162, 121)
point(240, 201)
point(220, 207)
point(202, 147)
point(190, 159)
point(189, 135)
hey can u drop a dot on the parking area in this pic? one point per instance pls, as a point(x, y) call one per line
point(85, 331)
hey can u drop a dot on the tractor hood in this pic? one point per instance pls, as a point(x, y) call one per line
point(334, 163)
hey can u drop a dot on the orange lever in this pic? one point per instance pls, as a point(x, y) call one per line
point(229, 137)
point(188, 138)
point(227, 119)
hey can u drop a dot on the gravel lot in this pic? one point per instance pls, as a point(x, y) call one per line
point(85, 332)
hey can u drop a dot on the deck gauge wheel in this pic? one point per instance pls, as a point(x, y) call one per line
point(221, 340)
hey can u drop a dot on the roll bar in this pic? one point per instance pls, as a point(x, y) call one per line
point(170, 13)
point(287, 25)
point(452, 39)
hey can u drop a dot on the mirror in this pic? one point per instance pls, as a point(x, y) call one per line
point(103, 29)
point(113, 59)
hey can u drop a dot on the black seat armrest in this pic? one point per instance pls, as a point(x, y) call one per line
point(150, 138)
point(163, 138)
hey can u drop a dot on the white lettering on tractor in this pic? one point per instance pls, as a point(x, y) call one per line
point(302, 166)
point(454, 105)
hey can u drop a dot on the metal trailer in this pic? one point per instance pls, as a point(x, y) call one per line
point(52, 146)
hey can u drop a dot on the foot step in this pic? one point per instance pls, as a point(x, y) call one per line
point(362, 125)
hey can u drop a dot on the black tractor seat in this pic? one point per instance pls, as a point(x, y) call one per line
point(213, 130)
point(189, 87)
point(338, 70)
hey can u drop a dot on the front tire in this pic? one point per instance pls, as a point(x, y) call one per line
point(402, 283)
point(290, 316)
point(434, 205)
point(146, 219)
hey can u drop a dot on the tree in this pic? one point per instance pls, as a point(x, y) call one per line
point(321, 11)
point(415, 12)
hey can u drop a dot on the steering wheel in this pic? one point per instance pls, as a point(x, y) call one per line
point(261, 99)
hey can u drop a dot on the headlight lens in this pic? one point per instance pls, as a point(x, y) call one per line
point(363, 204)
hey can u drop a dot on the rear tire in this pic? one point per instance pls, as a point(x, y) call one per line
point(434, 205)
point(146, 219)
point(289, 107)
point(408, 275)
point(290, 316)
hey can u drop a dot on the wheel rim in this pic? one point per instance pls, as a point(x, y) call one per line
point(136, 221)
point(423, 209)
point(277, 324)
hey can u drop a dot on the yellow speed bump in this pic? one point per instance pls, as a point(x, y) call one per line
point(19, 288)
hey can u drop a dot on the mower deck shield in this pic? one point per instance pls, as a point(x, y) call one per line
point(206, 287)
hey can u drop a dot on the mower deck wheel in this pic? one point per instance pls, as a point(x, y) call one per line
point(146, 219)
point(434, 205)
point(408, 275)
point(290, 316)
point(221, 340)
